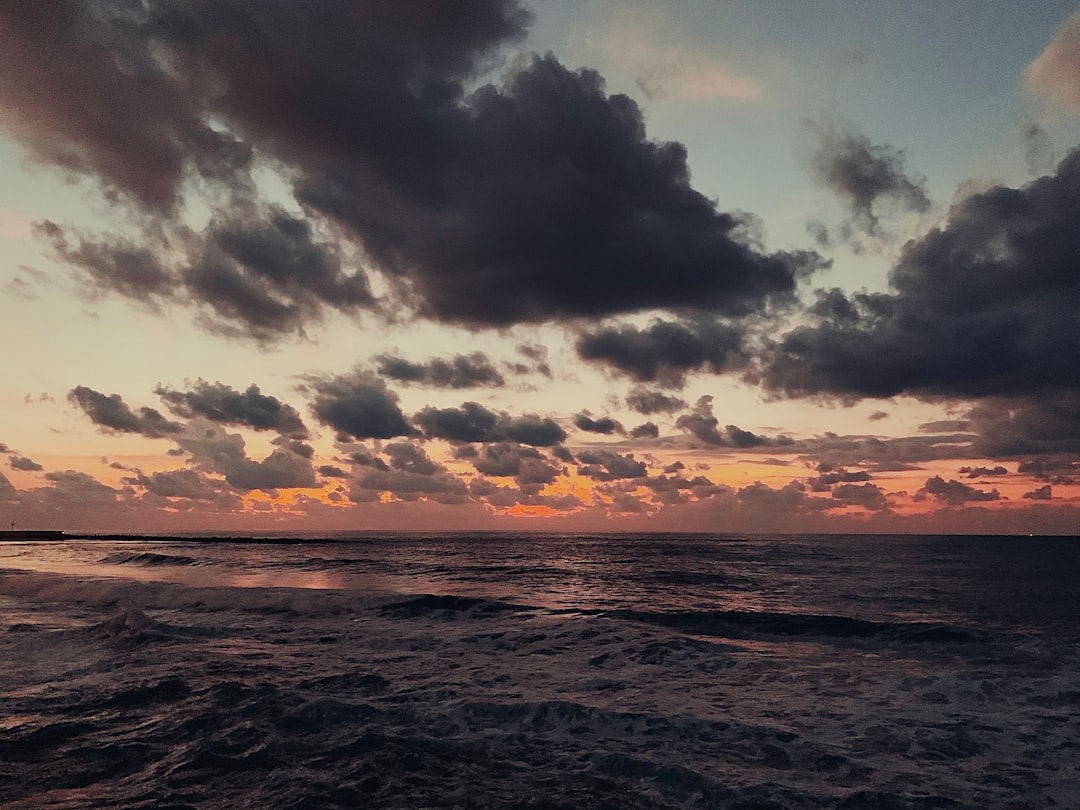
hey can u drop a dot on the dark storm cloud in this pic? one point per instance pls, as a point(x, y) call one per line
point(25, 464)
point(221, 403)
point(984, 306)
point(954, 492)
point(863, 174)
point(112, 413)
point(665, 351)
point(538, 199)
point(358, 405)
point(646, 430)
point(646, 402)
point(473, 370)
point(605, 424)
point(330, 471)
point(475, 423)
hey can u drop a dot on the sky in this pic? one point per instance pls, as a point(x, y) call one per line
point(672, 265)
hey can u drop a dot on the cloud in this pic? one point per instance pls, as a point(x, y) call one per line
point(703, 425)
point(1055, 73)
point(25, 464)
point(113, 414)
point(411, 475)
point(665, 351)
point(604, 465)
point(223, 404)
point(525, 464)
point(868, 496)
point(863, 175)
point(954, 492)
point(475, 423)
point(214, 450)
point(538, 199)
point(605, 424)
point(647, 402)
point(982, 472)
point(1026, 425)
point(646, 430)
point(461, 371)
point(183, 483)
point(1043, 493)
point(982, 306)
point(358, 405)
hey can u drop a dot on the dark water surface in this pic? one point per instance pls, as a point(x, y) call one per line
point(541, 671)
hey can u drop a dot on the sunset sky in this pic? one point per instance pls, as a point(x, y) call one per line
point(676, 265)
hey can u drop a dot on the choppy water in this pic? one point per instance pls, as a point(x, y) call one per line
point(541, 671)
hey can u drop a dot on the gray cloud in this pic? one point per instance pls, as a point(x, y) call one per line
point(538, 199)
point(646, 402)
point(703, 425)
point(863, 174)
point(221, 403)
point(954, 492)
point(475, 423)
point(646, 430)
point(605, 424)
point(604, 465)
point(666, 351)
point(25, 464)
point(358, 405)
point(461, 371)
point(112, 413)
point(983, 306)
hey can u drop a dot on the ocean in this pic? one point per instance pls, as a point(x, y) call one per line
point(541, 671)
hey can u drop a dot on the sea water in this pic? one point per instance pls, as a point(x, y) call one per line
point(541, 671)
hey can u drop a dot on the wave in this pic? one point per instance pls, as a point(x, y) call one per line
point(148, 558)
point(749, 624)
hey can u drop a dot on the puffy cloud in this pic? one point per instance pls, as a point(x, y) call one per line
point(475, 423)
point(526, 464)
point(182, 483)
point(703, 425)
point(646, 430)
point(863, 174)
point(983, 306)
point(25, 464)
point(665, 351)
point(647, 402)
point(604, 465)
point(214, 450)
point(358, 405)
point(982, 472)
point(1055, 73)
point(954, 492)
point(223, 404)
point(411, 475)
point(868, 496)
point(462, 371)
point(605, 424)
point(1043, 493)
point(538, 199)
point(113, 414)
